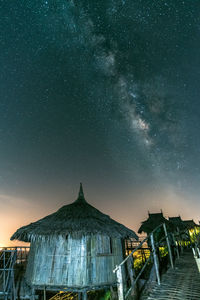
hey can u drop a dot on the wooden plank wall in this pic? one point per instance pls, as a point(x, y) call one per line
point(73, 262)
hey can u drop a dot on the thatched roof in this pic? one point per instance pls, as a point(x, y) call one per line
point(190, 224)
point(177, 222)
point(79, 218)
point(152, 222)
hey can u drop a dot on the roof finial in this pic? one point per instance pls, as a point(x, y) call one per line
point(81, 194)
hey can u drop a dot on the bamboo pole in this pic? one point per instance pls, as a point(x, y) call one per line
point(168, 245)
point(156, 264)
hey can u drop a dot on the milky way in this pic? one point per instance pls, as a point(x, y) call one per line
point(104, 92)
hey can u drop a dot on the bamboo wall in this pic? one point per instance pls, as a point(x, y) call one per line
point(73, 262)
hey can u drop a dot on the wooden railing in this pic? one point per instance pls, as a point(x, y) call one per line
point(7, 261)
point(9, 257)
point(125, 272)
point(196, 251)
point(22, 253)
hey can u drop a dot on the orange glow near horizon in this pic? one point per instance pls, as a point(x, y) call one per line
point(17, 212)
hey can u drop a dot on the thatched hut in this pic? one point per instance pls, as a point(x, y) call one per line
point(190, 224)
point(152, 222)
point(75, 248)
point(193, 229)
point(178, 223)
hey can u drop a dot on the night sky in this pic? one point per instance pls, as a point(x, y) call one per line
point(101, 92)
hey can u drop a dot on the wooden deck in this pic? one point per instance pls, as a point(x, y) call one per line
point(180, 283)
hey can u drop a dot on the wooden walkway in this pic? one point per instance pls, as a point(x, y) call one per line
point(180, 283)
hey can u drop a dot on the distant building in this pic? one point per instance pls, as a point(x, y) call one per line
point(178, 223)
point(152, 222)
point(75, 248)
point(190, 224)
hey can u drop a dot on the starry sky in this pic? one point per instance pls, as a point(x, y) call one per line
point(101, 92)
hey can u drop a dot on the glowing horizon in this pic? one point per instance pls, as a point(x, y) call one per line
point(129, 216)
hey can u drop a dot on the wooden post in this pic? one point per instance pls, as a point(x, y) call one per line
point(13, 274)
point(195, 232)
point(193, 252)
point(156, 264)
point(189, 237)
point(32, 294)
point(85, 295)
point(168, 245)
point(4, 274)
point(113, 293)
point(120, 287)
point(180, 238)
point(144, 256)
point(130, 265)
point(13, 285)
point(195, 249)
point(44, 292)
point(175, 245)
point(198, 252)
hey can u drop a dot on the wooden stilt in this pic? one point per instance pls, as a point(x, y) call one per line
point(32, 294)
point(113, 294)
point(156, 263)
point(85, 295)
point(168, 245)
point(13, 283)
point(144, 256)
point(130, 266)
point(198, 251)
point(4, 274)
point(177, 252)
point(44, 292)
point(180, 239)
point(79, 296)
